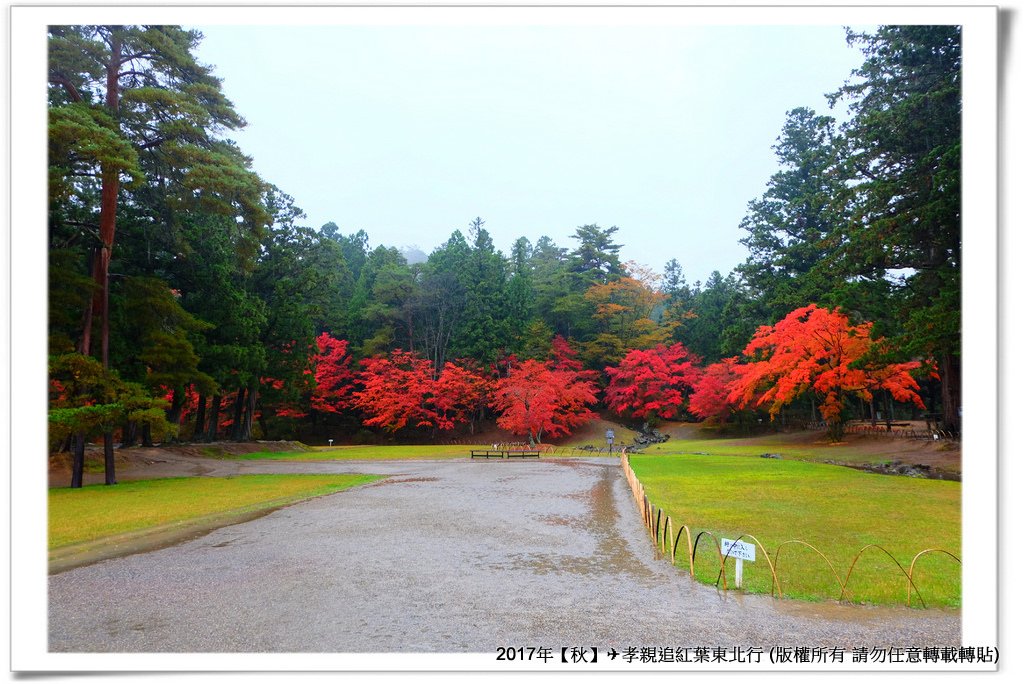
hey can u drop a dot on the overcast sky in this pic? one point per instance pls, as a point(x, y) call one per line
point(408, 132)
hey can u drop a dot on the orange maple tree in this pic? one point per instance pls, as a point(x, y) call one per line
point(817, 349)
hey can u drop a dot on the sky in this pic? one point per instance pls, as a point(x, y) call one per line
point(410, 131)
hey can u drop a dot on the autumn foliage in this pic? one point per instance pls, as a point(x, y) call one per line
point(538, 399)
point(395, 391)
point(460, 393)
point(710, 398)
point(812, 351)
point(652, 383)
point(815, 349)
point(400, 390)
point(332, 371)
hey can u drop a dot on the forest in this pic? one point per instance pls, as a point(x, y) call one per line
point(189, 301)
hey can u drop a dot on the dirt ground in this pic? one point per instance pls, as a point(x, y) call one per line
point(172, 460)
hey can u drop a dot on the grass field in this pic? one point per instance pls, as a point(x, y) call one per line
point(861, 452)
point(778, 443)
point(836, 509)
point(97, 511)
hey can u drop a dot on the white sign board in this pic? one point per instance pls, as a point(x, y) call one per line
point(741, 551)
point(738, 549)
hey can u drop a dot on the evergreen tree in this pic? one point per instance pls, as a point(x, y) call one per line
point(903, 145)
point(789, 230)
point(482, 331)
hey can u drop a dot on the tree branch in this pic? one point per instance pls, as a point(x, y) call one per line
point(867, 173)
point(150, 144)
point(135, 55)
point(69, 87)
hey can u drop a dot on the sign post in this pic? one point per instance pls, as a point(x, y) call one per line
point(741, 551)
point(609, 434)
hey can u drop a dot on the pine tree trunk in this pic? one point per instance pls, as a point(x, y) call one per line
point(110, 184)
point(147, 435)
point(85, 344)
point(200, 421)
point(78, 460)
point(250, 411)
point(236, 424)
point(211, 433)
point(129, 432)
point(108, 458)
point(949, 371)
point(174, 412)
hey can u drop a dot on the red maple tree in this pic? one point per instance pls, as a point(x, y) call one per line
point(459, 394)
point(710, 398)
point(536, 399)
point(815, 349)
point(652, 383)
point(400, 390)
point(332, 373)
point(562, 356)
point(395, 391)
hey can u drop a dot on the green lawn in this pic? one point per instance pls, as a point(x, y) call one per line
point(97, 511)
point(781, 443)
point(836, 509)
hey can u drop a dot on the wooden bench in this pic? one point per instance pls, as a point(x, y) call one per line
point(486, 453)
point(504, 453)
point(522, 454)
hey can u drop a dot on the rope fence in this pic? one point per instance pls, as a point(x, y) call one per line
point(659, 527)
point(897, 431)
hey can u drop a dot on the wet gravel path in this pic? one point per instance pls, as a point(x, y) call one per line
point(443, 557)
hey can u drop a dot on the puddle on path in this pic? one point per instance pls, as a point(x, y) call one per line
point(599, 527)
point(398, 479)
point(855, 613)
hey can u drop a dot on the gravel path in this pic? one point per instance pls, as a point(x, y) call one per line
point(443, 557)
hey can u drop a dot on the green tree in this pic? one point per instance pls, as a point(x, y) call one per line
point(552, 281)
point(154, 345)
point(717, 328)
point(128, 100)
point(903, 145)
point(297, 277)
point(596, 258)
point(482, 330)
point(789, 230)
point(372, 322)
point(135, 130)
point(520, 296)
point(87, 399)
point(214, 276)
